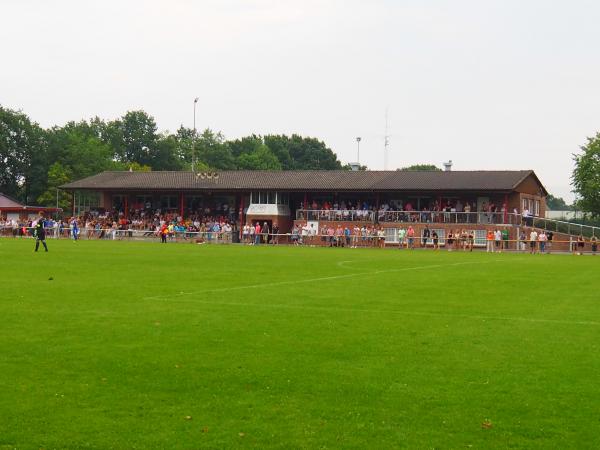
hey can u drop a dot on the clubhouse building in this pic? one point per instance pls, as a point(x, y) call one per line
point(285, 197)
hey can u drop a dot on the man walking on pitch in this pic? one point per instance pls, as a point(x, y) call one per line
point(40, 234)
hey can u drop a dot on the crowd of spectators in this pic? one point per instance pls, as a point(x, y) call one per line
point(450, 211)
point(115, 225)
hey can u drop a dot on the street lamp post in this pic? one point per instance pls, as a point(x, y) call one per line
point(194, 138)
point(358, 139)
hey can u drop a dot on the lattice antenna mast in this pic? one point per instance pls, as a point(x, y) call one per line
point(386, 142)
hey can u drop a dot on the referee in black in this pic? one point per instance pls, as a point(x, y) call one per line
point(40, 234)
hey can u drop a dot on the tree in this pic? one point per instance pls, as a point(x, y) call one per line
point(78, 148)
point(586, 176)
point(311, 154)
point(556, 203)
point(262, 158)
point(22, 156)
point(212, 150)
point(280, 146)
point(185, 146)
point(57, 176)
point(425, 167)
point(133, 137)
point(165, 153)
point(348, 166)
point(245, 145)
point(132, 167)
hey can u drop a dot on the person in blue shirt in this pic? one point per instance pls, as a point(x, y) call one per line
point(74, 228)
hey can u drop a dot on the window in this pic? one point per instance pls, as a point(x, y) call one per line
point(283, 198)
point(117, 202)
point(269, 198)
point(168, 202)
point(193, 202)
point(143, 202)
point(480, 237)
point(391, 235)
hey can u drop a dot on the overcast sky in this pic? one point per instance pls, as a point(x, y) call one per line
point(506, 84)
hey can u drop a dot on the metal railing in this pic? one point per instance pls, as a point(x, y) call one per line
point(559, 226)
point(500, 218)
point(331, 215)
point(210, 237)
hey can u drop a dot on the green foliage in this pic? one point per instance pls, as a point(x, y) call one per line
point(310, 153)
point(165, 153)
point(137, 131)
point(57, 176)
point(586, 176)
point(425, 167)
point(212, 150)
point(280, 146)
point(290, 153)
point(22, 156)
point(132, 167)
point(79, 149)
point(556, 203)
point(349, 167)
point(33, 159)
point(262, 158)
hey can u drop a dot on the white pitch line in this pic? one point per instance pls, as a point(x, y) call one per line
point(311, 280)
point(387, 311)
point(342, 264)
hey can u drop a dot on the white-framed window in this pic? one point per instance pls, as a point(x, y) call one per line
point(391, 235)
point(479, 238)
point(269, 198)
point(441, 236)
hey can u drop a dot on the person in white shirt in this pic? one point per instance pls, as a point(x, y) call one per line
point(304, 234)
point(542, 238)
point(526, 217)
point(401, 236)
point(533, 238)
point(498, 240)
point(251, 232)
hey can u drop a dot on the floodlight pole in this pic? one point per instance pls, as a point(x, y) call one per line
point(194, 138)
point(358, 139)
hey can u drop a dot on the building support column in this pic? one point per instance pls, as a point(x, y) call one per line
point(126, 205)
point(73, 204)
point(505, 219)
point(241, 215)
point(181, 205)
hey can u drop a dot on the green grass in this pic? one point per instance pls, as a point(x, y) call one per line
point(295, 348)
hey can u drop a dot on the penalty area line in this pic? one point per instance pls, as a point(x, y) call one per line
point(312, 280)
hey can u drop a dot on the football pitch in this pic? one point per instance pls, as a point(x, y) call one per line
point(142, 345)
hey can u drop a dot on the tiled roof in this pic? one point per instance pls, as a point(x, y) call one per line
point(7, 202)
point(307, 180)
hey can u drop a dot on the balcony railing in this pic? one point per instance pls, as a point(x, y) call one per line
point(337, 215)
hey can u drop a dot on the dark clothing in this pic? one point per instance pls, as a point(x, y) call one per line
point(426, 235)
point(40, 231)
point(40, 235)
